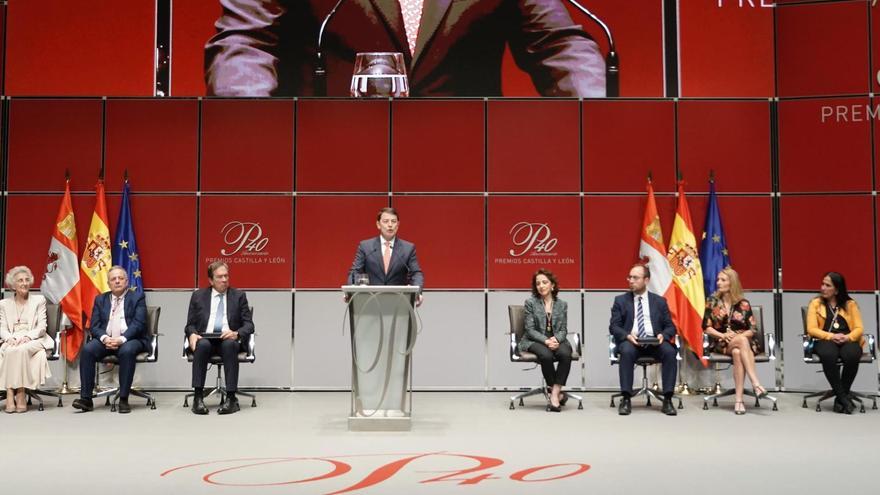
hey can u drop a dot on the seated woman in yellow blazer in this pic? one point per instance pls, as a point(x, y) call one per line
point(546, 328)
point(834, 320)
point(23, 362)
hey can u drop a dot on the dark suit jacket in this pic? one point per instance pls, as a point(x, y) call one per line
point(135, 307)
point(238, 313)
point(403, 270)
point(536, 322)
point(623, 314)
point(267, 47)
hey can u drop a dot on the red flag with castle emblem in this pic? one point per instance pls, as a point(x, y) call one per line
point(96, 258)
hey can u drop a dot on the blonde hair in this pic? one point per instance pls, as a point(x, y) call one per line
point(14, 271)
point(736, 288)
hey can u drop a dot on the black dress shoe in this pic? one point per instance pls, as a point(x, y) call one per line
point(199, 405)
point(84, 405)
point(229, 406)
point(668, 409)
point(843, 405)
point(625, 407)
point(123, 406)
point(563, 398)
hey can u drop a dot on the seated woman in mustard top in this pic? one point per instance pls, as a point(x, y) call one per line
point(834, 320)
point(730, 322)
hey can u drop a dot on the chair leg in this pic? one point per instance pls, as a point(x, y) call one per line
point(252, 396)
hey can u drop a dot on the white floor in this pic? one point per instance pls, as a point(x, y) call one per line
point(292, 437)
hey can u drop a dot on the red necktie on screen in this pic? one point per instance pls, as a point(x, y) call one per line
point(412, 16)
point(386, 256)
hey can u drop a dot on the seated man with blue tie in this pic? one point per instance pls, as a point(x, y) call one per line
point(642, 326)
point(218, 323)
point(118, 326)
point(387, 259)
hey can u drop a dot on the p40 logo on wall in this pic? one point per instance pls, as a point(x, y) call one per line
point(533, 243)
point(245, 242)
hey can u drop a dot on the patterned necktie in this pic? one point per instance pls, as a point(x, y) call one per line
point(218, 317)
point(412, 16)
point(113, 329)
point(640, 317)
point(386, 256)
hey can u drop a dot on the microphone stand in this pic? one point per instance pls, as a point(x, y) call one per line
point(320, 68)
point(612, 63)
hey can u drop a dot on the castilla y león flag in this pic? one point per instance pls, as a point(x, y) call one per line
point(96, 257)
point(60, 283)
point(652, 252)
point(687, 275)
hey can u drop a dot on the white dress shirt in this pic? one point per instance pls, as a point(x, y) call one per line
point(646, 312)
point(215, 300)
point(119, 315)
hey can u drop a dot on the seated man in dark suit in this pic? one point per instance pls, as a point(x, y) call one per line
point(450, 48)
point(118, 326)
point(387, 259)
point(218, 322)
point(642, 315)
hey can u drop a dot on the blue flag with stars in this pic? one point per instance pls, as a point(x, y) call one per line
point(125, 252)
point(713, 250)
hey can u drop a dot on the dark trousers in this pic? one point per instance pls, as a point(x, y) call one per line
point(95, 351)
point(227, 349)
point(562, 354)
point(849, 353)
point(664, 353)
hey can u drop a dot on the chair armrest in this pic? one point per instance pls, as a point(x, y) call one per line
point(252, 346)
point(613, 357)
point(514, 356)
point(707, 346)
point(872, 347)
point(577, 342)
point(185, 346)
point(154, 349)
point(677, 348)
point(56, 342)
point(808, 343)
point(770, 345)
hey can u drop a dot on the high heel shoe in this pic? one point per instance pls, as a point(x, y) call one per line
point(739, 408)
point(760, 392)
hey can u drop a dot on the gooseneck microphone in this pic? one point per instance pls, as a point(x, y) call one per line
point(612, 63)
point(320, 68)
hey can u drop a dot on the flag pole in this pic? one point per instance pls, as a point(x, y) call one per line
point(65, 389)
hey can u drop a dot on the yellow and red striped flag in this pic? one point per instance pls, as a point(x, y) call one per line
point(96, 258)
point(687, 275)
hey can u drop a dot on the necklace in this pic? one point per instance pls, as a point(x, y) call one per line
point(834, 311)
point(19, 310)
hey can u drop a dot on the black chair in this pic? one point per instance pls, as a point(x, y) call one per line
point(150, 356)
point(53, 323)
point(246, 356)
point(869, 354)
point(644, 362)
point(516, 314)
point(766, 353)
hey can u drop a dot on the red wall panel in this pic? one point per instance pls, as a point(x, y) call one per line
point(449, 261)
point(324, 255)
point(875, 50)
point(533, 146)
point(30, 221)
point(156, 141)
point(192, 24)
point(612, 230)
point(824, 145)
point(342, 145)
point(531, 232)
point(2, 46)
point(438, 145)
point(822, 49)
point(48, 136)
point(823, 233)
point(727, 50)
point(748, 228)
point(247, 145)
point(624, 140)
point(730, 137)
point(165, 230)
point(61, 48)
point(253, 234)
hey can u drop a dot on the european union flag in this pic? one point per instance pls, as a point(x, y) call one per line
point(713, 249)
point(125, 252)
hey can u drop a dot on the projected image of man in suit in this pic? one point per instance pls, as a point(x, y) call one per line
point(387, 259)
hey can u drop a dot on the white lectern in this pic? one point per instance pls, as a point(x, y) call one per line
point(383, 334)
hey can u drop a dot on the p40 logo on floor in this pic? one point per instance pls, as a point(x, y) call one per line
point(355, 473)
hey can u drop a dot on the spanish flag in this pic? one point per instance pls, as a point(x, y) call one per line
point(687, 275)
point(96, 258)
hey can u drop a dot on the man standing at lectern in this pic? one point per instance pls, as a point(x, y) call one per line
point(387, 259)
point(450, 47)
